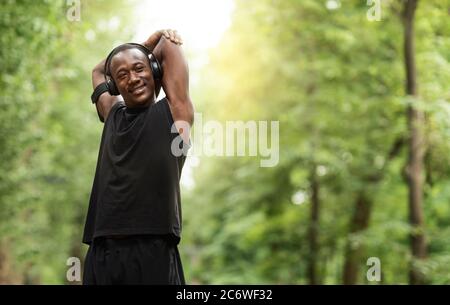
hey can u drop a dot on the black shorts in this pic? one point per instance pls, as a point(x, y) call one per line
point(143, 259)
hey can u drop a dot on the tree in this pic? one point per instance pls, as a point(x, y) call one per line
point(416, 123)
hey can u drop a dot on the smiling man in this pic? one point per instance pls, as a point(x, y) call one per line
point(133, 225)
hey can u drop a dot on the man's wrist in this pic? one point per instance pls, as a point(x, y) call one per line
point(98, 91)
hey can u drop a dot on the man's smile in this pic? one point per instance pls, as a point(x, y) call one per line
point(138, 90)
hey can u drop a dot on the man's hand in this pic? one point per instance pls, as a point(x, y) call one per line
point(153, 40)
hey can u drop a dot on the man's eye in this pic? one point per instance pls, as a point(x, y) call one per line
point(139, 69)
point(122, 76)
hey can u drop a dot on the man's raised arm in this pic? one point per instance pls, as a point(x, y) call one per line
point(175, 83)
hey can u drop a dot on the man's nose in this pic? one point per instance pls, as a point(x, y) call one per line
point(133, 77)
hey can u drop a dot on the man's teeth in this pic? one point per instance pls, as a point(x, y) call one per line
point(138, 89)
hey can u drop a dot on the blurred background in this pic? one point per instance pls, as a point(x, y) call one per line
point(361, 90)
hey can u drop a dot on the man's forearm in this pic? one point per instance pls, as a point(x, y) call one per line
point(98, 74)
point(105, 101)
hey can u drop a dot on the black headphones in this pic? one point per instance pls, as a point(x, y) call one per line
point(153, 62)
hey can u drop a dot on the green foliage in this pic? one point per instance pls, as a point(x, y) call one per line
point(334, 81)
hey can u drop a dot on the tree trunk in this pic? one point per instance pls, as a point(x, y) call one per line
point(354, 253)
point(416, 147)
point(313, 229)
point(361, 217)
point(7, 274)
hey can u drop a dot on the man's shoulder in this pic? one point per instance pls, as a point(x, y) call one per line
point(117, 106)
point(164, 107)
point(162, 101)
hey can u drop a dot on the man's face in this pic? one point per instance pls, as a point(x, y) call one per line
point(131, 72)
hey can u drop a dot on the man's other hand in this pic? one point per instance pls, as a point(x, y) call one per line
point(172, 35)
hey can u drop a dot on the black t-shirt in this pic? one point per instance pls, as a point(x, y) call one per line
point(136, 186)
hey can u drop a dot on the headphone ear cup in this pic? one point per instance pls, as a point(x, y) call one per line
point(156, 67)
point(112, 89)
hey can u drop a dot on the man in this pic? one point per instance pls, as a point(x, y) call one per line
point(133, 225)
